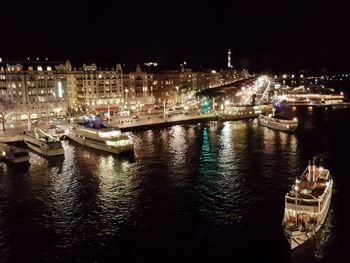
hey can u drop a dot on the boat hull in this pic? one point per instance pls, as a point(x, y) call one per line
point(73, 136)
point(272, 125)
point(236, 117)
point(297, 238)
point(22, 159)
point(42, 148)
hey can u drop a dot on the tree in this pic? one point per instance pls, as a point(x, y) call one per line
point(5, 106)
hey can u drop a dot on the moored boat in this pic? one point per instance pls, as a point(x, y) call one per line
point(95, 134)
point(13, 154)
point(307, 204)
point(238, 113)
point(273, 122)
point(43, 143)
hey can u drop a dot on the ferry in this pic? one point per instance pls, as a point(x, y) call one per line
point(95, 134)
point(13, 154)
point(272, 122)
point(43, 143)
point(238, 113)
point(307, 204)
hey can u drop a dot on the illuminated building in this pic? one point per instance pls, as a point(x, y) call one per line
point(97, 88)
point(39, 89)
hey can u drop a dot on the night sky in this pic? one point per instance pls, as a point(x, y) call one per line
point(266, 35)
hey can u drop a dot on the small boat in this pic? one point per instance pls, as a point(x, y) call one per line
point(272, 122)
point(43, 143)
point(238, 113)
point(95, 134)
point(307, 204)
point(13, 154)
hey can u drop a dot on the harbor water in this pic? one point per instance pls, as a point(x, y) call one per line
point(196, 192)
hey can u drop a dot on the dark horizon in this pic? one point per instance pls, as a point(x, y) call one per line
point(262, 36)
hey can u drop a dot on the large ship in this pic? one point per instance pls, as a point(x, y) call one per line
point(13, 154)
point(43, 143)
point(238, 113)
point(243, 112)
point(273, 122)
point(97, 135)
point(307, 204)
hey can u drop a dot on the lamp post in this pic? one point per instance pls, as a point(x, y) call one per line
point(109, 115)
point(164, 109)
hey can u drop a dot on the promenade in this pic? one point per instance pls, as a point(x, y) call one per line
point(125, 124)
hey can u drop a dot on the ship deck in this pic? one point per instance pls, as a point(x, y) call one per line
point(311, 190)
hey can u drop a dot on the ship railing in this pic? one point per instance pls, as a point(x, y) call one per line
point(279, 120)
point(302, 204)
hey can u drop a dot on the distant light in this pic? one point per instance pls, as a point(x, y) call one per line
point(28, 58)
point(0, 59)
point(37, 58)
point(39, 68)
point(59, 89)
point(301, 75)
point(284, 76)
point(46, 59)
point(213, 71)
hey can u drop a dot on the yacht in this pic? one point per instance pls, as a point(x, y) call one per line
point(43, 143)
point(307, 204)
point(97, 135)
point(272, 122)
point(13, 154)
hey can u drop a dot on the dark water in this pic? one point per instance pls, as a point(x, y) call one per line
point(191, 193)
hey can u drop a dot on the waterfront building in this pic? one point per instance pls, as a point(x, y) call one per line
point(98, 88)
point(49, 89)
point(38, 89)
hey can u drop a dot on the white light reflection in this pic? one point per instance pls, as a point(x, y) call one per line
point(177, 144)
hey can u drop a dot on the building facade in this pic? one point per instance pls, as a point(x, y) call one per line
point(45, 89)
point(38, 89)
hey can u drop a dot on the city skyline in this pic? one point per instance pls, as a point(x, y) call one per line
point(268, 36)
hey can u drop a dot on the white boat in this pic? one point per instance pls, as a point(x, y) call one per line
point(43, 143)
point(97, 135)
point(272, 122)
point(13, 154)
point(238, 113)
point(307, 204)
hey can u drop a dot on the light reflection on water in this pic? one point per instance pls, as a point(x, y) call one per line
point(209, 189)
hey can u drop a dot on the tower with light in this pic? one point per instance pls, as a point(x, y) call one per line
point(229, 59)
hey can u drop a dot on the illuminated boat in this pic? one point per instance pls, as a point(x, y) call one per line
point(43, 143)
point(272, 122)
point(97, 135)
point(238, 113)
point(307, 204)
point(13, 154)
